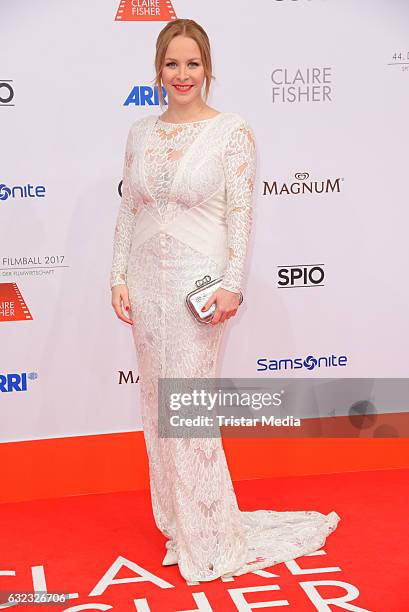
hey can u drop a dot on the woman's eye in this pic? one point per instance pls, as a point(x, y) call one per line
point(190, 64)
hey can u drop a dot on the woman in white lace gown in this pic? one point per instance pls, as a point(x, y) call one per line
point(186, 211)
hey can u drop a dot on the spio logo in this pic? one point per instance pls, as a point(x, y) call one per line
point(301, 276)
point(16, 382)
point(144, 95)
point(23, 191)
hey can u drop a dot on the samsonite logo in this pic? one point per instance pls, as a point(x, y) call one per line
point(15, 381)
point(311, 362)
point(21, 191)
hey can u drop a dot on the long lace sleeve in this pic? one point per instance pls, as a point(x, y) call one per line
point(125, 220)
point(240, 168)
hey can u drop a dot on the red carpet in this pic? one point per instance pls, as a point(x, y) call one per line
point(70, 544)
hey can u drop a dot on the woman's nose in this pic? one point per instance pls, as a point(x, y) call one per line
point(182, 73)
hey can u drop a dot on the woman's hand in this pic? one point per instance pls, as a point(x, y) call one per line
point(227, 303)
point(120, 302)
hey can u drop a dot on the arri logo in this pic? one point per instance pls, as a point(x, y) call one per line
point(144, 95)
point(22, 191)
point(302, 184)
point(309, 363)
point(145, 10)
point(16, 382)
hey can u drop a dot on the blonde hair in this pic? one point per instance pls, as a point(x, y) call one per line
point(183, 27)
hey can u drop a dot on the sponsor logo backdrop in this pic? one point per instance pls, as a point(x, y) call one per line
point(325, 87)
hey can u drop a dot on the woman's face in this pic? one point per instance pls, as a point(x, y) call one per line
point(182, 66)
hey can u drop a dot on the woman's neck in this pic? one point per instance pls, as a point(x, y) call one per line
point(186, 114)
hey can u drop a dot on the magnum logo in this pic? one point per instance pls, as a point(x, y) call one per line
point(302, 184)
point(12, 304)
point(145, 10)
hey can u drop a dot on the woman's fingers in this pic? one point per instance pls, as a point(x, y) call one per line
point(120, 315)
point(226, 306)
point(219, 316)
point(209, 302)
point(125, 319)
point(120, 302)
point(222, 316)
point(215, 318)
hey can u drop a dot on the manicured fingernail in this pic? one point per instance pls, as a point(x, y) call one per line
point(203, 308)
point(127, 307)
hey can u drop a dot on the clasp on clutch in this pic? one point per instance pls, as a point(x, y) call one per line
point(203, 281)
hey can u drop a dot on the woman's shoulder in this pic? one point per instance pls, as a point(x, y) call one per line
point(235, 119)
point(234, 125)
point(141, 123)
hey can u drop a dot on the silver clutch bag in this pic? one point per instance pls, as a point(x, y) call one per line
point(196, 299)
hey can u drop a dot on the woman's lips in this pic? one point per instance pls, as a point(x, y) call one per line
point(183, 89)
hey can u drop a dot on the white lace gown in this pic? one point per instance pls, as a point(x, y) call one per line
point(186, 211)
